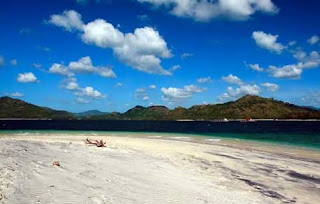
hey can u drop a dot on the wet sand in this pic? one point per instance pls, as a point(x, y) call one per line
point(154, 169)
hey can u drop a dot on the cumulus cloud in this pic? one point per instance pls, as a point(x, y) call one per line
point(2, 63)
point(235, 93)
point(313, 40)
point(285, 72)
point(83, 65)
point(294, 71)
point(205, 10)
point(89, 92)
point(27, 77)
point(60, 69)
point(231, 79)
point(141, 50)
point(204, 80)
point(152, 86)
point(85, 93)
point(14, 62)
point(102, 34)
point(69, 20)
point(71, 84)
point(173, 94)
point(256, 67)
point(268, 41)
point(270, 86)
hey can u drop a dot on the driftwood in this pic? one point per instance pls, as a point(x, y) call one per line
point(95, 142)
point(56, 163)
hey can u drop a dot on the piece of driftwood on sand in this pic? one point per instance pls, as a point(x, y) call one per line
point(95, 142)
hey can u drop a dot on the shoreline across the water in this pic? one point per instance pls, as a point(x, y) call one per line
point(153, 169)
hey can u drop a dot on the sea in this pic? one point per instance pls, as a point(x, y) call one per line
point(293, 133)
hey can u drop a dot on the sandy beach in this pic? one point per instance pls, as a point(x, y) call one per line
point(154, 169)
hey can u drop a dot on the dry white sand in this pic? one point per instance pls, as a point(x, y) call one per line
point(154, 170)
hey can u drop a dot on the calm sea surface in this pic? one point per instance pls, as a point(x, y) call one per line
point(306, 134)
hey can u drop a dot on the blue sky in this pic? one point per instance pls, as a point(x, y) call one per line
point(79, 55)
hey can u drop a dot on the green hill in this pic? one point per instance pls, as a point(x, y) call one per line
point(146, 113)
point(245, 107)
point(252, 107)
point(15, 108)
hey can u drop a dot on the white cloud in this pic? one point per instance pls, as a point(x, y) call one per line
point(89, 92)
point(175, 67)
point(2, 63)
point(16, 94)
point(172, 94)
point(268, 41)
point(256, 67)
point(14, 62)
point(294, 71)
point(118, 84)
point(313, 40)
point(299, 54)
point(204, 80)
point(152, 86)
point(235, 93)
point(141, 50)
point(83, 65)
point(102, 34)
point(72, 84)
point(186, 55)
point(27, 77)
point(270, 86)
point(69, 20)
point(60, 69)
point(232, 79)
point(205, 10)
point(286, 72)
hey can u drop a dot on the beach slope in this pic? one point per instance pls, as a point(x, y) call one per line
point(154, 170)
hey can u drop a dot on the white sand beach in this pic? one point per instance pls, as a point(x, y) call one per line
point(154, 170)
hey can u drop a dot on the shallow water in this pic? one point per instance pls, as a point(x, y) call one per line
point(300, 140)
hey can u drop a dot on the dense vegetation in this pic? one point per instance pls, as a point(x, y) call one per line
point(14, 108)
point(247, 106)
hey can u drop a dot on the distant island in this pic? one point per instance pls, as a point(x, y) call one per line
point(248, 106)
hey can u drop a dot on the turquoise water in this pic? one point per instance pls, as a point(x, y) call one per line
point(302, 140)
